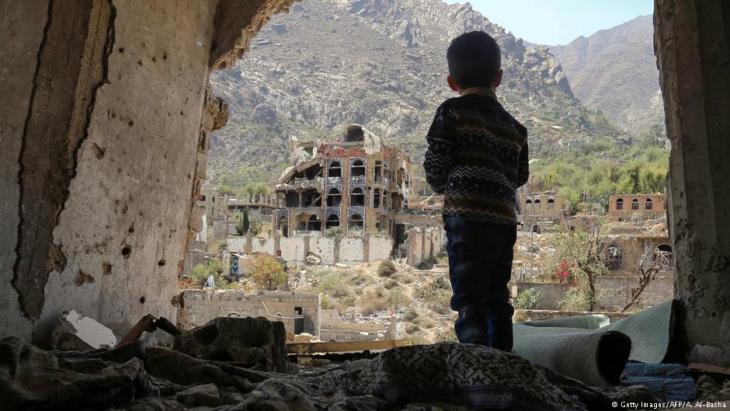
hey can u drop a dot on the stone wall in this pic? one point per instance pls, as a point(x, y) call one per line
point(103, 127)
point(613, 292)
point(693, 50)
point(201, 306)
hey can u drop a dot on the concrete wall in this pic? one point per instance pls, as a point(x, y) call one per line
point(201, 306)
point(351, 250)
point(292, 249)
point(379, 248)
point(103, 133)
point(263, 245)
point(613, 292)
point(324, 247)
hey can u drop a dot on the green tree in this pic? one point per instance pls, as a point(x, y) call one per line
point(266, 271)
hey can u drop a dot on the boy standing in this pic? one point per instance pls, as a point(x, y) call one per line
point(477, 158)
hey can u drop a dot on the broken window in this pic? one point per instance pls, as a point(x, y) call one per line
point(314, 224)
point(635, 204)
point(284, 227)
point(292, 199)
point(649, 204)
point(528, 205)
point(333, 221)
point(538, 203)
point(663, 256)
point(335, 169)
point(378, 172)
point(311, 198)
point(334, 198)
point(376, 198)
point(620, 204)
point(356, 221)
point(357, 197)
point(551, 204)
point(357, 169)
point(614, 257)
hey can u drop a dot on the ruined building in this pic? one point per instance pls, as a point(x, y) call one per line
point(104, 128)
point(625, 206)
point(356, 185)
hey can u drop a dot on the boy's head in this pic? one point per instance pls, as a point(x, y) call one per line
point(474, 61)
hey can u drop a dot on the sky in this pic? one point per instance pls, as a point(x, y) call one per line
point(558, 22)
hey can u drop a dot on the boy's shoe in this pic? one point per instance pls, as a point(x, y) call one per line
point(470, 327)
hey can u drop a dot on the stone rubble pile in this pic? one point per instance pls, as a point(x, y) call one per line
point(242, 364)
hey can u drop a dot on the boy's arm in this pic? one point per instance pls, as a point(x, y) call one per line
point(439, 156)
point(523, 170)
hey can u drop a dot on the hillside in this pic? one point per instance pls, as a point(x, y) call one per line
point(380, 63)
point(615, 71)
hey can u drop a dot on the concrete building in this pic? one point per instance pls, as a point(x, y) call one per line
point(625, 206)
point(300, 312)
point(356, 185)
point(628, 254)
point(546, 205)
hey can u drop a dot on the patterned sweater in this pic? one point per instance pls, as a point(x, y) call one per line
point(477, 158)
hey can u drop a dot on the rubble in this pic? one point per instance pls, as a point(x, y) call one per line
point(253, 342)
point(75, 332)
point(446, 374)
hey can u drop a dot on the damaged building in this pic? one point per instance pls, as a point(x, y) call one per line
point(354, 186)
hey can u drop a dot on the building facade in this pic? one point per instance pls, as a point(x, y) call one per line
point(353, 186)
point(624, 206)
point(541, 205)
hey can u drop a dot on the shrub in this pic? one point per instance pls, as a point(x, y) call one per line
point(386, 268)
point(410, 315)
point(390, 284)
point(412, 328)
point(576, 299)
point(528, 299)
point(426, 264)
point(266, 271)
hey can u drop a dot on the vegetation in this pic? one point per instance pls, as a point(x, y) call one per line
point(528, 299)
point(578, 260)
point(593, 170)
point(201, 272)
point(386, 268)
point(266, 271)
point(245, 183)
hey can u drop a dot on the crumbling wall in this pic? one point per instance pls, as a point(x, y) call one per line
point(693, 50)
point(292, 249)
point(324, 248)
point(351, 249)
point(201, 306)
point(104, 149)
point(263, 245)
point(380, 248)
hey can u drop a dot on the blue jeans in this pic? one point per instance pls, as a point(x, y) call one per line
point(480, 266)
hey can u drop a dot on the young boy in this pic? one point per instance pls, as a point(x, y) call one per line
point(477, 158)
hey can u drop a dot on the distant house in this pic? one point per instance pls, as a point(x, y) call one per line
point(542, 205)
point(624, 206)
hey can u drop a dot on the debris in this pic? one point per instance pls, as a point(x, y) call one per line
point(147, 327)
point(251, 342)
point(200, 396)
point(75, 332)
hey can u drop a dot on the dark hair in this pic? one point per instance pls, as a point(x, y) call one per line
point(474, 59)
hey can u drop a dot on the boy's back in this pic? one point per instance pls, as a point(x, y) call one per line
point(477, 158)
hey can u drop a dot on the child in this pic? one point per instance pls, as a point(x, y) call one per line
point(477, 158)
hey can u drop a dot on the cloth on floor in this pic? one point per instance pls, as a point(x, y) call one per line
point(669, 382)
point(594, 357)
point(456, 374)
point(586, 349)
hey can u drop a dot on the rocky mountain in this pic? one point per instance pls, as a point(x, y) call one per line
point(380, 63)
point(615, 71)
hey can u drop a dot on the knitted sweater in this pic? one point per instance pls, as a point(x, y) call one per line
point(477, 158)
